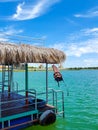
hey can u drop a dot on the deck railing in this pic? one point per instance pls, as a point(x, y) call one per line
point(16, 100)
point(56, 99)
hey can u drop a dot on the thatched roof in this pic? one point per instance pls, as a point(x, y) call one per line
point(22, 53)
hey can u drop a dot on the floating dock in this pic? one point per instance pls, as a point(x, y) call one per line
point(22, 108)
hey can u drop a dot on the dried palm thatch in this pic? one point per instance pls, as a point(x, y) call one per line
point(22, 53)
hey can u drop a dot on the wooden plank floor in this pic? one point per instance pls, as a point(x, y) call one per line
point(15, 106)
point(18, 106)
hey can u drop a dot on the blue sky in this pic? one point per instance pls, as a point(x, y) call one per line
point(68, 25)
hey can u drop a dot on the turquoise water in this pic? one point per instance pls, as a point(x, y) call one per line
point(81, 106)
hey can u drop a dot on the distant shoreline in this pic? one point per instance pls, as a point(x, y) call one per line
point(83, 68)
point(50, 69)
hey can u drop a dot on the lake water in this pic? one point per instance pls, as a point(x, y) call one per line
point(81, 106)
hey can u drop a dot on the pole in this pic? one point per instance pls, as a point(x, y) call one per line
point(9, 81)
point(46, 82)
point(26, 83)
point(0, 104)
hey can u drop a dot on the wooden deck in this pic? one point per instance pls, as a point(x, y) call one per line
point(15, 104)
point(15, 112)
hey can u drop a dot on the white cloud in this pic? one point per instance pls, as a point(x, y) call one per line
point(81, 48)
point(91, 62)
point(89, 14)
point(80, 43)
point(12, 35)
point(8, 32)
point(61, 46)
point(76, 50)
point(91, 32)
point(30, 10)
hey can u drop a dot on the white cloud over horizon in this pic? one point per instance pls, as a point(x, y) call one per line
point(87, 44)
point(88, 14)
point(91, 62)
point(32, 10)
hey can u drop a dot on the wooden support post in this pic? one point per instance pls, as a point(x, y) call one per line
point(26, 83)
point(46, 82)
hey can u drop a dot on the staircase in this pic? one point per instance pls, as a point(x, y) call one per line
point(57, 99)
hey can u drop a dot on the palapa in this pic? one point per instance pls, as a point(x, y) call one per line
point(24, 53)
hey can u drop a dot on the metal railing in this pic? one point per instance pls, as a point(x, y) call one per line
point(57, 99)
point(7, 105)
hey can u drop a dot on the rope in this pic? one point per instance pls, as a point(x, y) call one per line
point(64, 85)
